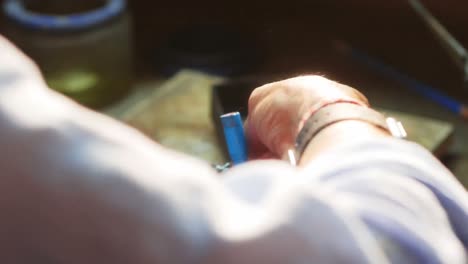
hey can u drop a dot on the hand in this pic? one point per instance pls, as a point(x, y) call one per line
point(277, 111)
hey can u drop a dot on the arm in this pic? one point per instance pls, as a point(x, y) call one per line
point(77, 187)
point(397, 188)
point(339, 134)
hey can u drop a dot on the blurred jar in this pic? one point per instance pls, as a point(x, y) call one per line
point(82, 46)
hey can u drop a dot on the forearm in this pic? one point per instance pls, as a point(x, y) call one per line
point(338, 134)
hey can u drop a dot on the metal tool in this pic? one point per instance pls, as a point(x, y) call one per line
point(457, 52)
point(414, 85)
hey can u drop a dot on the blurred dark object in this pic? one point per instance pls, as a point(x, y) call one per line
point(233, 95)
point(82, 47)
point(211, 49)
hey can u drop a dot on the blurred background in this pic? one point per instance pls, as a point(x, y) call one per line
point(169, 68)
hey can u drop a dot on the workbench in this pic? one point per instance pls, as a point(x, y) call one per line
point(177, 114)
point(296, 38)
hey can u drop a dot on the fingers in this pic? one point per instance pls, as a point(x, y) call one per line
point(271, 126)
point(254, 146)
point(315, 84)
point(259, 93)
point(257, 150)
point(276, 110)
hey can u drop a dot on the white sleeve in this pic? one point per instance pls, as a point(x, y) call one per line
point(410, 202)
point(396, 202)
point(77, 187)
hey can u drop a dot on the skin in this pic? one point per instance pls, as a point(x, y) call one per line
point(278, 110)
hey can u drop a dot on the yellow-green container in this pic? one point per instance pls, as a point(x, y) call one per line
point(82, 47)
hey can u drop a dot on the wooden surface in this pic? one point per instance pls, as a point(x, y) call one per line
point(176, 113)
point(435, 135)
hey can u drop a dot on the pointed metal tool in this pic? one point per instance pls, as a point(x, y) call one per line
point(457, 52)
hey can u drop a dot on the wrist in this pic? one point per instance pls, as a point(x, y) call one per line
point(323, 103)
point(365, 120)
point(339, 134)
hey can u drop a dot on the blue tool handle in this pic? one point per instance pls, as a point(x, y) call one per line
point(235, 137)
point(414, 85)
